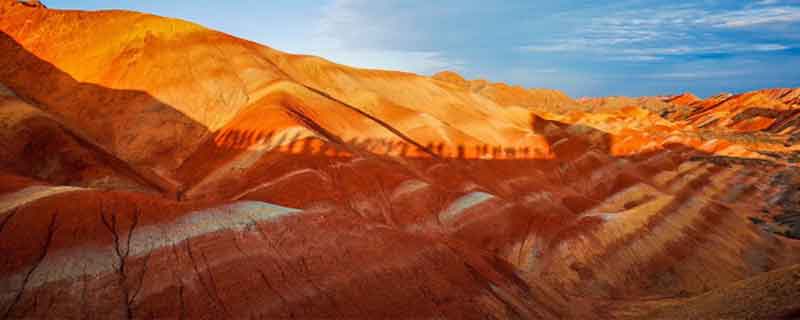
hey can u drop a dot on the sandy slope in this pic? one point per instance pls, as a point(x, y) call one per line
point(222, 178)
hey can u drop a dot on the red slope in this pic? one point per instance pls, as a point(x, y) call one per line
point(330, 191)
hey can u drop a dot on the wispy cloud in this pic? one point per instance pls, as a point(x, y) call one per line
point(352, 32)
point(752, 17)
point(545, 71)
point(425, 62)
point(655, 33)
point(695, 75)
point(650, 53)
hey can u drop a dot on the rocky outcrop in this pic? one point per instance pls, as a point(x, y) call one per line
point(32, 3)
point(769, 111)
point(790, 96)
point(685, 99)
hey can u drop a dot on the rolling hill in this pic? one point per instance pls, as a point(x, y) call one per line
point(154, 168)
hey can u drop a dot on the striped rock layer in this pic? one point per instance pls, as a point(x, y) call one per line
point(152, 168)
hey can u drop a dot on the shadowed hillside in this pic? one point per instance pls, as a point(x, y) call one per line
point(153, 168)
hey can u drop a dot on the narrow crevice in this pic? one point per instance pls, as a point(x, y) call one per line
point(210, 289)
point(269, 286)
point(122, 254)
point(214, 284)
point(51, 230)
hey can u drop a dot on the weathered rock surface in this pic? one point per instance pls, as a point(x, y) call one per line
point(152, 168)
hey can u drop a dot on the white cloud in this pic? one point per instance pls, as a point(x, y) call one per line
point(753, 17)
point(695, 75)
point(639, 58)
point(769, 47)
point(649, 53)
point(424, 62)
point(550, 70)
point(351, 33)
point(651, 34)
point(561, 46)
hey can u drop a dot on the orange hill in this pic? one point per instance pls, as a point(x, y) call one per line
point(154, 168)
point(684, 99)
point(773, 111)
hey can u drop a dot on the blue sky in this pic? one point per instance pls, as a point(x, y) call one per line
point(586, 48)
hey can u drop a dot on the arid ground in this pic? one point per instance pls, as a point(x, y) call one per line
point(152, 168)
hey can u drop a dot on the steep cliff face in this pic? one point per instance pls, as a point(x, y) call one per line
point(152, 168)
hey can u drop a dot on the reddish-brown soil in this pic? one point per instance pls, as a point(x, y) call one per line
point(152, 168)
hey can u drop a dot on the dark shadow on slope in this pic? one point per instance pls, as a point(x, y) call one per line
point(121, 122)
point(498, 193)
point(570, 154)
point(363, 174)
point(129, 131)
